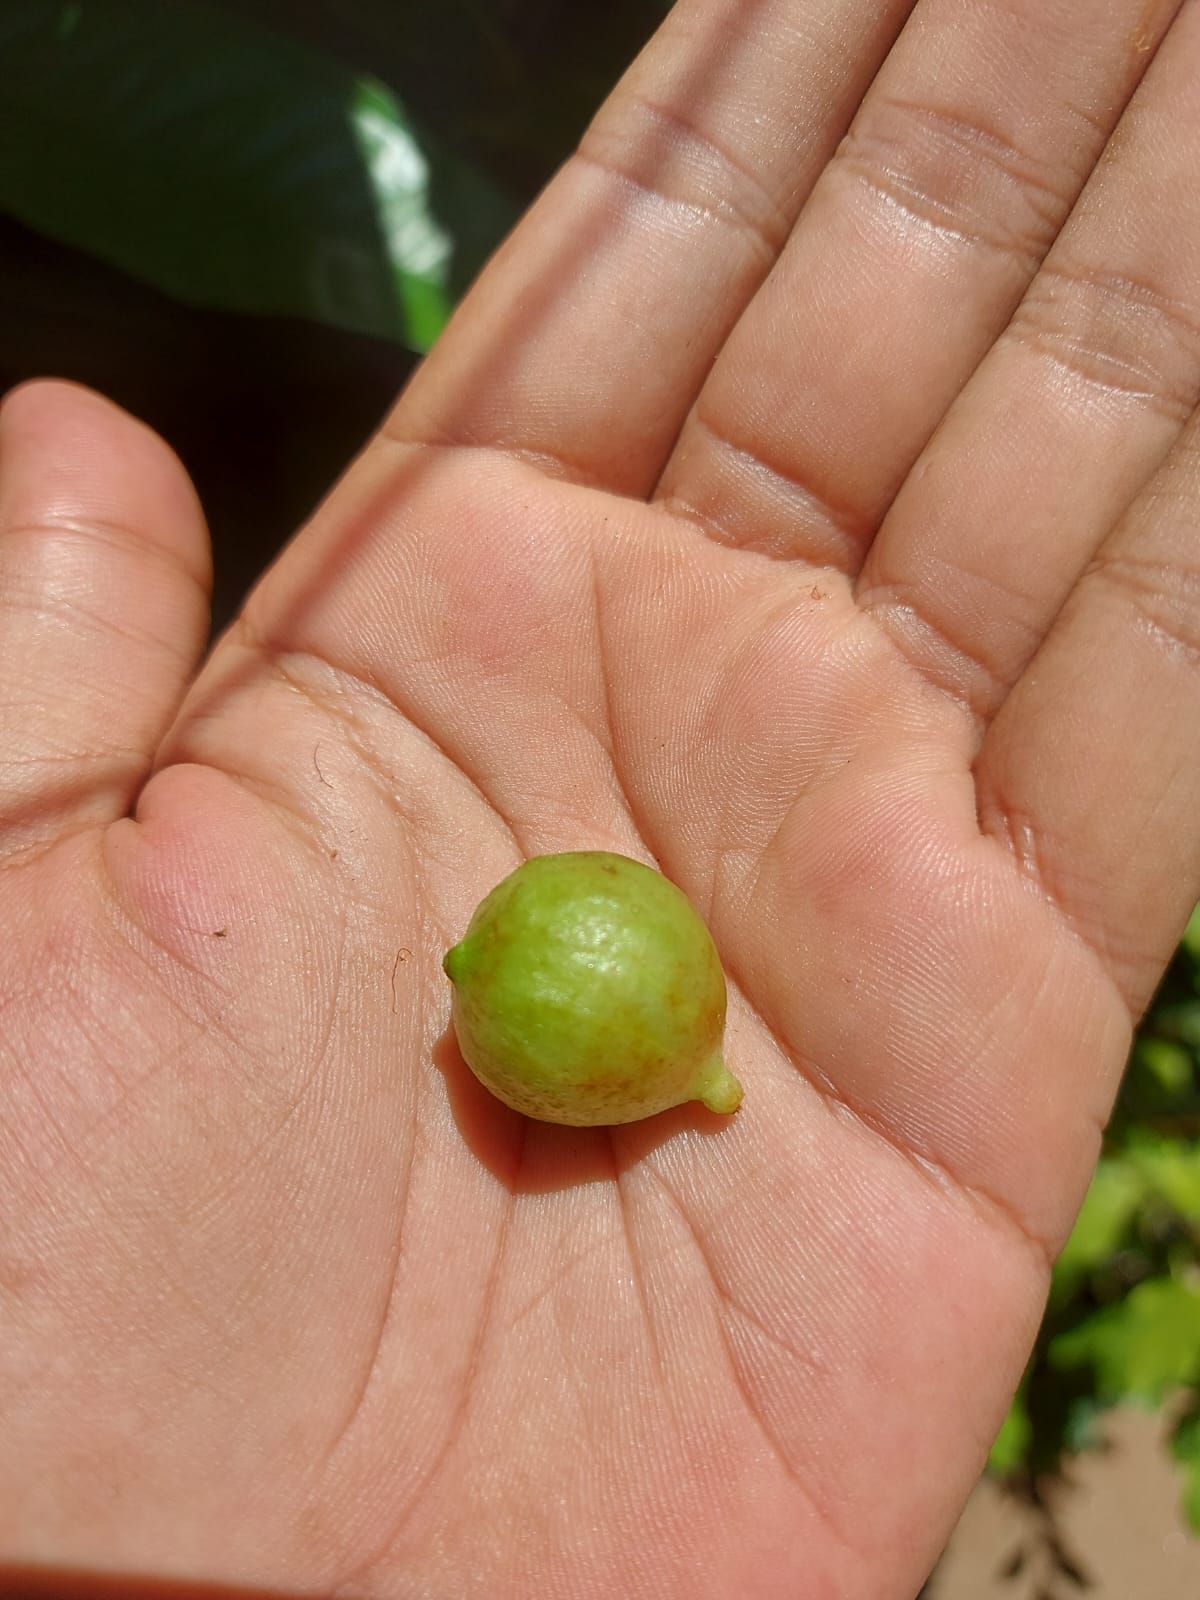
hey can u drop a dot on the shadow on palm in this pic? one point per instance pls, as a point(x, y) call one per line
point(570, 1157)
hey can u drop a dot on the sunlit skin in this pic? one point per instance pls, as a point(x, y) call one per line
point(588, 992)
point(805, 501)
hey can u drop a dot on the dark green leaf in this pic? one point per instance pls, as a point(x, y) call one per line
point(226, 165)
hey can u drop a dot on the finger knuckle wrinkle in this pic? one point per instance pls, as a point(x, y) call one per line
point(663, 152)
point(1163, 596)
point(950, 172)
point(1116, 332)
point(815, 502)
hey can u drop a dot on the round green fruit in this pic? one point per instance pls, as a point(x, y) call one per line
point(587, 991)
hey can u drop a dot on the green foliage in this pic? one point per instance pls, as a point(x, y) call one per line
point(235, 167)
point(1012, 1443)
point(349, 162)
point(1143, 1347)
point(1123, 1320)
point(1108, 1212)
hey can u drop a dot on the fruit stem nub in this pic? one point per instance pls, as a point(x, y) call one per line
point(452, 962)
point(716, 1086)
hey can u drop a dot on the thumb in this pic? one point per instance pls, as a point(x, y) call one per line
point(104, 584)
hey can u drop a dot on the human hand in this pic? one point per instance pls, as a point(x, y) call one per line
point(861, 599)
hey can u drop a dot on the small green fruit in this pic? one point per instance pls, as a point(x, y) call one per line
point(588, 991)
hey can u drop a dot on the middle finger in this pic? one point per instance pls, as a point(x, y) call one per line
point(916, 246)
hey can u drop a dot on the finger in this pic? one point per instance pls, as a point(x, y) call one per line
point(104, 576)
point(1090, 773)
point(910, 257)
point(1068, 417)
point(587, 338)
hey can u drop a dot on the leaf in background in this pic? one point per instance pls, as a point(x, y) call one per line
point(417, 247)
point(227, 165)
point(1142, 1348)
point(509, 84)
point(1180, 1021)
point(1169, 1168)
point(1108, 1211)
point(1168, 1063)
point(1011, 1444)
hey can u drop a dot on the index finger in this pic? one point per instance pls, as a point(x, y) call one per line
point(587, 338)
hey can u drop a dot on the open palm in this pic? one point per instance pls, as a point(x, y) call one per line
point(812, 516)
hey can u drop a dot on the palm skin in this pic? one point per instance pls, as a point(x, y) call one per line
point(288, 1299)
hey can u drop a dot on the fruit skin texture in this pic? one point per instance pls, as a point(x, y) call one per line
point(587, 991)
